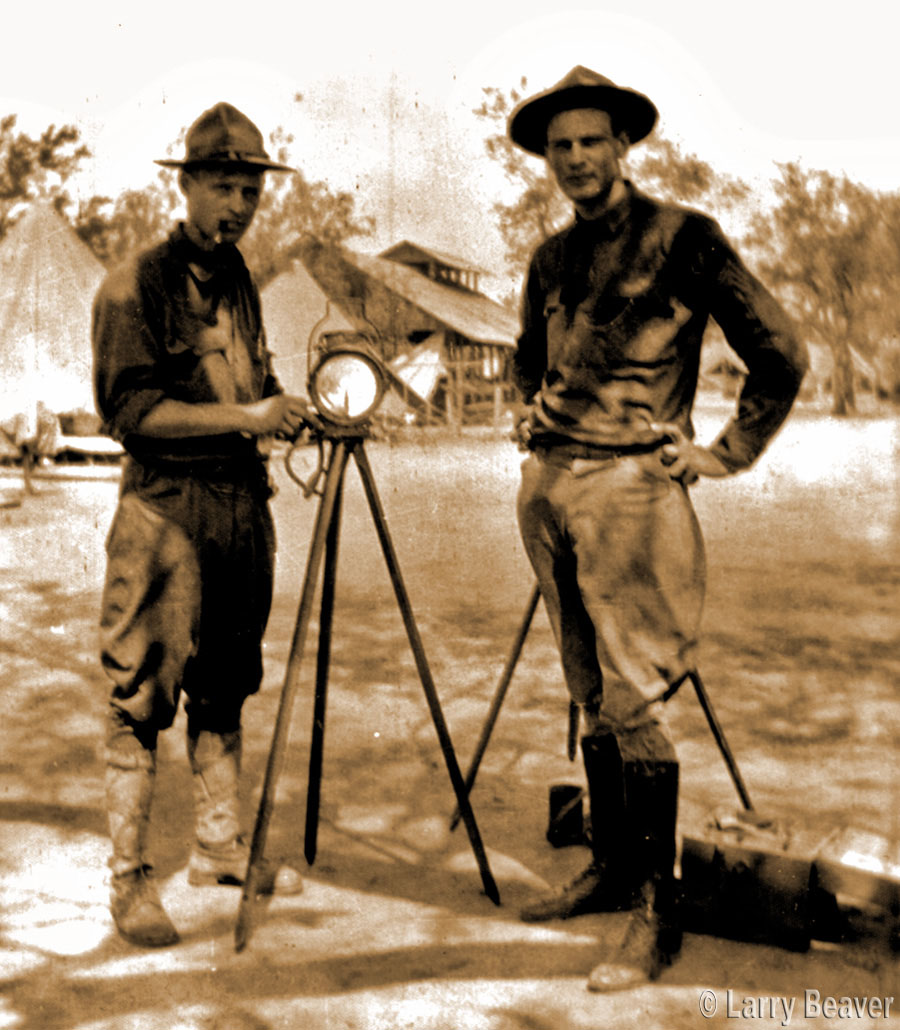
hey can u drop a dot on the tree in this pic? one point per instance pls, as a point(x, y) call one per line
point(819, 251)
point(660, 167)
point(880, 317)
point(31, 168)
point(540, 209)
point(138, 218)
point(292, 209)
point(290, 212)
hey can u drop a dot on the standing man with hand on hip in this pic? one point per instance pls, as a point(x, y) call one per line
point(183, 379)
point(614, 311)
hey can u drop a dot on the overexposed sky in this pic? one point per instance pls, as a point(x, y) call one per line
point(388, 88)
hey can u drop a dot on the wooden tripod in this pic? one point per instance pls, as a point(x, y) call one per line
point(325, 543)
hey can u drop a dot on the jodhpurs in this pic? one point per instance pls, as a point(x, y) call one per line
point(619, 559)
point(186, 600)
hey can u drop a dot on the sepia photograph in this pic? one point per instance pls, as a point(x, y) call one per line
point(449, 516)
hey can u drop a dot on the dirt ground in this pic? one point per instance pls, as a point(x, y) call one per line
point(392, 930)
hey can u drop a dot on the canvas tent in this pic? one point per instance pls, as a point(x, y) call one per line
point(720, 365)
point(421, 369)
point(414, 379)
point(818, 382)
point(48, 279)
point(293, 305)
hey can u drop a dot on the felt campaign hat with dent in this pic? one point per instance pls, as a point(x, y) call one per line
point(224, 136)
point(631, 112)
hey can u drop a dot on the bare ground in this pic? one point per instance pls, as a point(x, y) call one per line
point(800, 655)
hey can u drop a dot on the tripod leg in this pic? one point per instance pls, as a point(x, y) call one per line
point(317, 742)
point(717, 732)
point(333, 479)
point(499, 696)
point(412, 632)
point(572, 736)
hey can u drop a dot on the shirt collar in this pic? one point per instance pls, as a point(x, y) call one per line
point(221, 257)
point(613, 218)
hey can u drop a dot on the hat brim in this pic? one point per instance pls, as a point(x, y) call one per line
point(632, 113)
point(256, 164)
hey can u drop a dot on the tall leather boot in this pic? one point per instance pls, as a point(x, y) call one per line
point(606, 884)
point(134, 901)
point(221, 854)
point(653, 934)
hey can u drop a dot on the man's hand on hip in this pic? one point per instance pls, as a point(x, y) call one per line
point(685, 459)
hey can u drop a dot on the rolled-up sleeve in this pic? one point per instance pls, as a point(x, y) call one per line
point(761, 334)
point(127, 382)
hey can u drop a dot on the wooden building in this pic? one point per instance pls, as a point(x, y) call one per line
point(416, 297)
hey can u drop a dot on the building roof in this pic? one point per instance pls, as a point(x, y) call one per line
point(409, 253)
point(472, 315)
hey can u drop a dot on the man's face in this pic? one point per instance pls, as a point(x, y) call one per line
point(584, 155)
point(220, 203)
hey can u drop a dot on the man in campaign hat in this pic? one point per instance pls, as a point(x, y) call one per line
point(614, 311)
point(184, 380)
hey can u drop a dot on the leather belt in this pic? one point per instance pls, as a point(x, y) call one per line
point(565, 454)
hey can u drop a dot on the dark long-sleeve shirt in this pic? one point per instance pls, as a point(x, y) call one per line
point(613, 318)
point(183, 324)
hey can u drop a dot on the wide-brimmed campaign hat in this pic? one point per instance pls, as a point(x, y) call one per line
point(631, 112)
point(225, 136)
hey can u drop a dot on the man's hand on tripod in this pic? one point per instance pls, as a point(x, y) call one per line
point(284, 414)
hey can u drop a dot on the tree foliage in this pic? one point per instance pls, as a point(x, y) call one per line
point(294, 208)
point(828, 250)
point(137, 218)
point(660, 167)
point(35, 167)
point(539, 208)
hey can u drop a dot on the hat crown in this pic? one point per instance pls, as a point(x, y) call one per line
point(581, 76)
point(225, 136)
point(224, 133)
